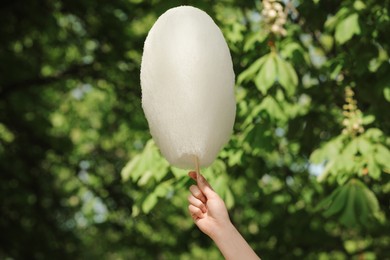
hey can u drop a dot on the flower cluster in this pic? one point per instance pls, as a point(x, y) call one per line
point(353, 117)
point(274, 17)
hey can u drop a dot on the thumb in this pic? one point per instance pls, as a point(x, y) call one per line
point(202, 184)
point(205, 187)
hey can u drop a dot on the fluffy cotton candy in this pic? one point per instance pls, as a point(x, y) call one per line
point(187, 82)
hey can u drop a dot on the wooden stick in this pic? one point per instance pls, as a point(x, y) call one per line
point(197, 167)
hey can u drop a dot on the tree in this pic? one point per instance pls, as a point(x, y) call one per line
point(305, 174)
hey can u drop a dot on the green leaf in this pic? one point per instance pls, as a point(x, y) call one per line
point(146, 166)
point(293, 75)
point(249, 134)
point(283, 76)
point(229, 198)
point(332, 21)
point(348, 217)
point(336, 71)
point(368, 119)
point(376, 63)
point(331, 149)
point(351, 148)
point(382, 155)
point(129, 168)
point(386, 93)
point(257, 36)
point(367, 205)
point(160, 167)
point(338, 202)
point(267, 75)
point(365, 146)
point(149, 203)
point(374, 134)
point(218, 168)
point(373, 168)
point(345, 162)
point(359, 5)
point(178, 173)
point(235, 157)
point(346, 28)
point(262, 140)
point(326, 171)
point(290, 48)
point(325, 203)
point(356, 203)
point(327, 41)
point(163, 188)
point(287, 76)
point(272, 107)
point(372, 201)
point(146, 176)
point(318, 156)
point(361, 205)
point(251, 71)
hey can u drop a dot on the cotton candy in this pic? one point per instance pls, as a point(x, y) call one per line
point(187, 83)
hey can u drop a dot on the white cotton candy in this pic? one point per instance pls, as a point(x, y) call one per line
point(187, 82)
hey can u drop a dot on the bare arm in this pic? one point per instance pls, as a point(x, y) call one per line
point(210, 214)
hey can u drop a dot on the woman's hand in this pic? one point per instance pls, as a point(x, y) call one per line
point(210, 214)
point(207, 209)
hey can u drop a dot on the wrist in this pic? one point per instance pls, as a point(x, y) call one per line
point(223, 231)
point(232, 244)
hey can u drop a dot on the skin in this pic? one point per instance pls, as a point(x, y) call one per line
point(209, 213)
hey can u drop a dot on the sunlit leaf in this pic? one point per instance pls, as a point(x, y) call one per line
point(382, 155)
point(229, 198)
point(327, 41)
point(373, 168)
point(146, 166)
point(332, 21)
point(368, 119)
point(328, 150)
point(374, 134)
point(257, 36)
point(250, 72)
point(372, 201)
point(130, 167)
point(287, 76)
point(146, 175)
point(351, 148)
point(272, 107)
point(364, 145)
point(149, 203)
point(386, 93)
point(178, 172)
point(267, 75)
point(346, 28)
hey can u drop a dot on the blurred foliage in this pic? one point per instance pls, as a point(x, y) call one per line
point(305, 175)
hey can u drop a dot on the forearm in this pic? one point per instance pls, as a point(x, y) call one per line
point(232, 245)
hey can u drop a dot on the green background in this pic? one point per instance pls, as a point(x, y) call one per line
point(305, 174)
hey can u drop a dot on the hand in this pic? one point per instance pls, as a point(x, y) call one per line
point(206, 208)
point(210, 214)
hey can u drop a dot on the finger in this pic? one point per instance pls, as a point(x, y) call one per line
point(197, 193)
point(205, 187)
point(202, 183)
point(197, 203)
point(195, 212)
point(192, 175)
